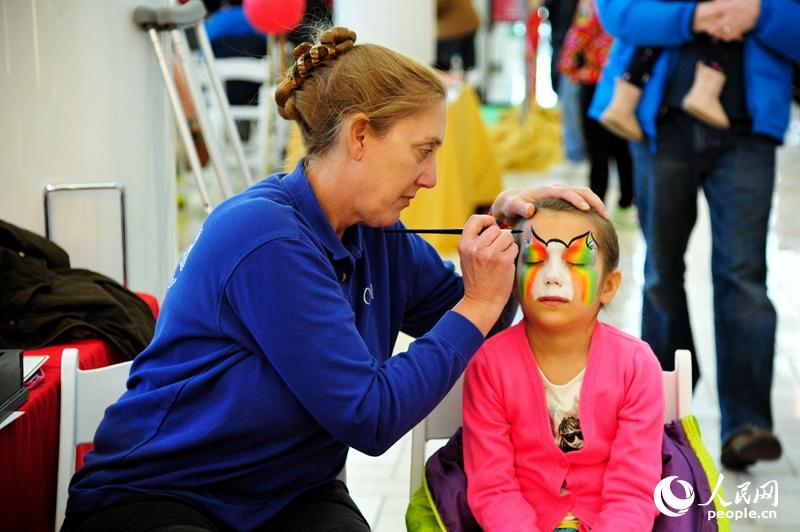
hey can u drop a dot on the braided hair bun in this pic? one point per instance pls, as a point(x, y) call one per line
point(307, 58)
point(321, 91)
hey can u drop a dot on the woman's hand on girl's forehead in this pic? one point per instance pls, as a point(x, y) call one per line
point(513, 204)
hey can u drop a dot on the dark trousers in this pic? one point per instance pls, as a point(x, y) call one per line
point(736, 170)
point(327, 508)
point(601, 145)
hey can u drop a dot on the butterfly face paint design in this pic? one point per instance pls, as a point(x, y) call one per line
point(549, 268)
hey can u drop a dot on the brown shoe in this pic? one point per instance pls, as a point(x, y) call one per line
point(702, 100)
point(620, 115)
point(748, 446)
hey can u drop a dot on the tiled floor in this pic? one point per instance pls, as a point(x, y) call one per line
point(380, 485)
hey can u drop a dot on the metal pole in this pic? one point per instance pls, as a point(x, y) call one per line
point(272, 50)
point(180, 118)
point(222, 98)
point(184, 58)
point(93, 186)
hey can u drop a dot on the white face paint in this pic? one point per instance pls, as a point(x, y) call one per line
point(553, 279)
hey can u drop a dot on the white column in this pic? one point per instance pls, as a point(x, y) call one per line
point(83, 102)
point(408, 27)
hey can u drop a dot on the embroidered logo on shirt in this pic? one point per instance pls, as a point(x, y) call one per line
point(184, 258)
point(369, 294)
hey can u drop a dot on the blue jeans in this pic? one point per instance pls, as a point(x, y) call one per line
point(571, 119)
point(736, 170)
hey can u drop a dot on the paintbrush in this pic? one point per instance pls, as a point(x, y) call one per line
point(447, 231)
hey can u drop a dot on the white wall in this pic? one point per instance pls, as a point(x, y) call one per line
point(408, 27)
point(82, 101)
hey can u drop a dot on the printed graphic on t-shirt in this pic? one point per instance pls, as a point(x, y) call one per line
point(569, 436)
point(563, 408)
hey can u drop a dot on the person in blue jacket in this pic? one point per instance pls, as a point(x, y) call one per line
point(736, 170)
point(272, 352)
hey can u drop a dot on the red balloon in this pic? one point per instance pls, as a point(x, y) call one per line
point(274, 16)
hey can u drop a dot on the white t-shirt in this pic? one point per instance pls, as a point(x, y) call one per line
point(563, 402)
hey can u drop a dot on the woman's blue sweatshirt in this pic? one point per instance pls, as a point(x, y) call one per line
point(272, 356)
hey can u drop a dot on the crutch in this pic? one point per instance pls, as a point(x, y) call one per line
point(222, 98)
point(145, 17)
point(176, 19)
point(192, 15)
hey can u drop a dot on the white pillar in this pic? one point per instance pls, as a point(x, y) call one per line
point(83, 102)
point(408, 27)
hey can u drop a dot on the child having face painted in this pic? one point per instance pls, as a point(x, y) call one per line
point(563, 414)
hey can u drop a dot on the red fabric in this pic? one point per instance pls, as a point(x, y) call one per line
point(29, 446)
point(533, 45)
point(151, 301)
point(533, 32)
point(586, 46)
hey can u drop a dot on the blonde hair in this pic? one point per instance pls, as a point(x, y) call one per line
point(335, 79)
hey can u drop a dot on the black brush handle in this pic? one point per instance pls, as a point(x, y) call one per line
point(450, 231)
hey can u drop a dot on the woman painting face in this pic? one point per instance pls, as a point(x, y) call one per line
point(398, 164)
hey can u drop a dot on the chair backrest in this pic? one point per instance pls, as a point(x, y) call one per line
point(446, 418)
point(254, 71)
point(678, 387)
point(244, 69)
point(440, 424)
point(84, 398)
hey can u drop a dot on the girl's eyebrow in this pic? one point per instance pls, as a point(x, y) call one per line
point(546, 243)
point(430, 140)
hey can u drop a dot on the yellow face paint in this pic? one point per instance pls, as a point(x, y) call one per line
point(534, 255)
point(581, 254)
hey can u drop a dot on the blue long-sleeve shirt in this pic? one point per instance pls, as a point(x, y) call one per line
point(272, 356)
point(769, 49)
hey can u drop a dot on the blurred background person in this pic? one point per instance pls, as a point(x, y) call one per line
point(560, 13)
point(231, 35)
point(318, 13)
point(456, 24)
point(583, 56)
point(736, 170)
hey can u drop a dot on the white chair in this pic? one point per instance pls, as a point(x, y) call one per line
point(85, 394)
point(446, 418)
point(678, 387)
point(254, 71)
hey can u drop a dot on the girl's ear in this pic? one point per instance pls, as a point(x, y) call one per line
point(609, 287)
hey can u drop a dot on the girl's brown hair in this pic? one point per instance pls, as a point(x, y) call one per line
point(335, 79)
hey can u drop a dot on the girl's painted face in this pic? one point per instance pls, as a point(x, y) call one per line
point(554, 272)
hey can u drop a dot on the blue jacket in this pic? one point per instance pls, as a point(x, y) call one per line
point(272, 356)
point(769, 50)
